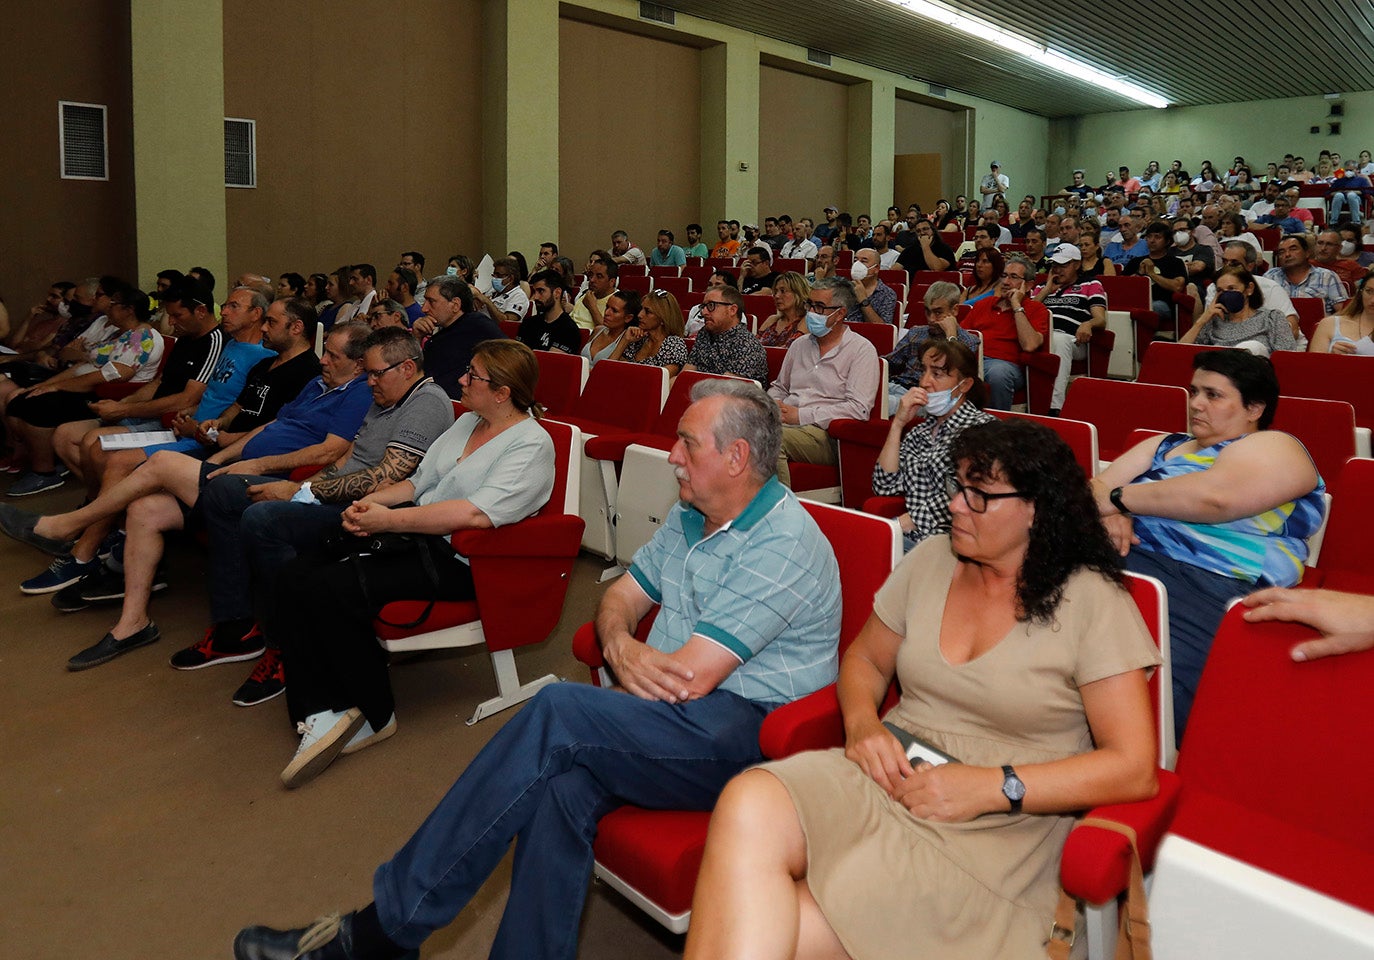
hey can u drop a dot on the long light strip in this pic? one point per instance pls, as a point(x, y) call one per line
point(1031, 50)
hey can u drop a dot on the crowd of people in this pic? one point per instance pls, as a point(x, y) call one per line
point(328, 484)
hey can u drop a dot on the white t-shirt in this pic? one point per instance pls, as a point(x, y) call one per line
point(512, 301)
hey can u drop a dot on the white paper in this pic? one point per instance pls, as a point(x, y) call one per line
point(132, 441)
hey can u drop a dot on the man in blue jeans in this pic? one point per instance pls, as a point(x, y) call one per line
point(749, 619)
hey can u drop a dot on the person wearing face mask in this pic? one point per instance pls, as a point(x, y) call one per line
point(877, 302)
point(1198, 260)
point(941, 304)
point(1331, 254)
point(507, 300)
point(1237, 318)
point(915, 464)
point(1353, 244)
point(831, 374)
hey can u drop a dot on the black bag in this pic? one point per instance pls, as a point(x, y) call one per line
point(342, 545)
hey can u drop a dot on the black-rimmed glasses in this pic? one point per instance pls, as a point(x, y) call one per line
point(377, 374)
point(473, 376)
point(976, 498)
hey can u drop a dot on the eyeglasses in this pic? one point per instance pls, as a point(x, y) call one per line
point(708, 306)
point(977, 499)
point(472, 376)
point(377, 374)
point(815, 306)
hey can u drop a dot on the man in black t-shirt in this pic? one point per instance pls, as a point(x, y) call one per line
point(929, 252)
point(1167, 273)
point(550, 327)
point(758, 271)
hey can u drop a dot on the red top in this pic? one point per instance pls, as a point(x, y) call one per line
point(998, 326)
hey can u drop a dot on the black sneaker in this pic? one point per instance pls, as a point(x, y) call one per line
point(108, 584)
point(329, 938)
point(108, 648)
point(68, 599)
point(267, 680)
point(214, 648)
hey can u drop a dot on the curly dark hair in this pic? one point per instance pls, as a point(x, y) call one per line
point(1067, 533)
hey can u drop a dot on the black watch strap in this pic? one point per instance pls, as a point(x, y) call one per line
point(1115, 498)
point(1013, 788)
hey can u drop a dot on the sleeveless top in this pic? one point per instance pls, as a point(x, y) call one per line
point(1364, 347)
point(601, 354)
point(1267, 549)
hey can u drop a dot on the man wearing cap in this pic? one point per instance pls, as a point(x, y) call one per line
point(1076, 310)
point(993, 183)
point(826, 231)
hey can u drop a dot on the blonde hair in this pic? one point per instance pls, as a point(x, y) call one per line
point(512, 365)
point(665, 306)
point(797, 284)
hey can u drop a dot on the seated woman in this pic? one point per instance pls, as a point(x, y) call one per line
point(876, 301)
point(944, 215)
point(494, 466)
point(1090, 245)
point(987, 271)
point(915, 464)
point(1216, 514)
point(942, 323)
point(790, 293)
point(1237, 318)
point(1018, 653)
point(657, 340)
point(1351, 330)
point(609, 338)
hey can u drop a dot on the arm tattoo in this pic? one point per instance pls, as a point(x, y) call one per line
point(396, 465)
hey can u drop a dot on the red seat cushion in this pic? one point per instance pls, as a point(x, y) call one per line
point(658, 852)
point(446, 613)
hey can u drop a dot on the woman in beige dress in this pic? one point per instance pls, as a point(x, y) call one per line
point(1019, 654)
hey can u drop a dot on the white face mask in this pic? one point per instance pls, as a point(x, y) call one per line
point(1180, 237)
point(64, 310)
point(1347, 248)
point(940, 402)
point(859, 271)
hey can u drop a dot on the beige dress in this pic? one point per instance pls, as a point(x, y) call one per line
point(892, 885)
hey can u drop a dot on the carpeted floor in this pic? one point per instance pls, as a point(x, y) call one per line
point(141, 813)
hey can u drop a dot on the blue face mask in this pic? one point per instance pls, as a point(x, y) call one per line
point(1060, 211)
point(816, 325)
point(452, 271)
point(940, 402)
point(497, 284)
point(1232, 301)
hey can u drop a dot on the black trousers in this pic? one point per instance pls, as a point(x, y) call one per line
point(322, 611)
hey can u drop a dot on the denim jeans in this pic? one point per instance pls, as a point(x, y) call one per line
point(570, 756)
point(1197, 602)
point(1351, 202)
point(1003, 378)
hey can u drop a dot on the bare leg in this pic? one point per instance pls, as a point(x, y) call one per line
point(148, 519)
point(67, 442)
point(39, 442)
point(752, 900)
point(166, 470)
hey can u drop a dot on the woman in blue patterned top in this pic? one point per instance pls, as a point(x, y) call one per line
point(1215, 514)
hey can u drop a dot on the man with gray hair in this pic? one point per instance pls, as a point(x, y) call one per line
point(623, 251)
point(831, 374)
point(1011, 322)
point(748, 591)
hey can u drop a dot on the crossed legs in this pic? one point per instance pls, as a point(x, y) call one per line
point(166, 471)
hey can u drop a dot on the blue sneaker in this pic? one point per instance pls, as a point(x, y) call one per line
point(31, 483)
point(63, 572)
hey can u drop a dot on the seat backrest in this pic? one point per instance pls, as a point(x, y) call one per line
point(1350, 528)
point(883, 336)
point(789, 265)
point(927, 277)
point(679, 399)
point(638, 282)
point(700, 276)
point(1170, 364)
point(679, 287)
point(1328, 376)
point(1311, 311)
point(624, 395)
point(1080, 435)
point(1325, 427)
point(1126, 293)
point(776, 355)
point(866, 548)
point(717, 263)
point(761, 305)
point(510, 328)
point(662, 273)
point(1255, 706)
point(1153, 602)
point(893, 276)
point(567, 467)
point(561, 378)
point(634, 270)
point(1116, 407)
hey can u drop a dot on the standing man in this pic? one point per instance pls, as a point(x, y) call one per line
point(993, 183)
point(1076, 310)
point(750, 608)
point(830, 374)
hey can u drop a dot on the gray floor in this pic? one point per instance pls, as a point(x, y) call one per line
point(141, 813)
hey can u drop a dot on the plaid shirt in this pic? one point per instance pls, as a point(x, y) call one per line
point(734, 352)
point(904, 363)
point(1319, 282)
point(923, 467)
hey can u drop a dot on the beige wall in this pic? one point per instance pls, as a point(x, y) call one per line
point(802, 163)
point(628, 140)
point(921, 128)
point(50, 228)
point(1260, 131)
point(362, 152)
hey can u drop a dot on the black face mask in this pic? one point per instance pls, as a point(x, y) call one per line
point(78, 310)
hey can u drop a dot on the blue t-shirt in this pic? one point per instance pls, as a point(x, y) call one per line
point(230, 373)
point(414, 312)
point(315, 413)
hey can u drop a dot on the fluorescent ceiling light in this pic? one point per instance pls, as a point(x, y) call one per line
point(1031, 50)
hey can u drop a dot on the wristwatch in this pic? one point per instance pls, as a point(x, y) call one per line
point(1012, 788)
point(1115, 498)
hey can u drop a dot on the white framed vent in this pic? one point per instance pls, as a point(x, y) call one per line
point(240, 152)
point(83, 149)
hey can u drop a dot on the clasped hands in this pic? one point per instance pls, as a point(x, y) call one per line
point(948, 793)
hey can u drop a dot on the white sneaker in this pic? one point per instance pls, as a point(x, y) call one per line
point(366, 736)
point(323, 735)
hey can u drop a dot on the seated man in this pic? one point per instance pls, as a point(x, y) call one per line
point(1010, 323)
point(265, 521)
point(507, 300)
point(666, 253)
point(727, 246)
point(928, 252)
point(1076, 310)
point(312, 430)
point(758, 275)
point(904, 371)
point(830, 374)
point(725, 345)
point(550, 327)
point(750, 623)
point(1299, 277)
point(458, 327)
point(600, 280)
point(1131, 244)
point(1328, 257)
point(1166, 272)
point(1282, 217)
